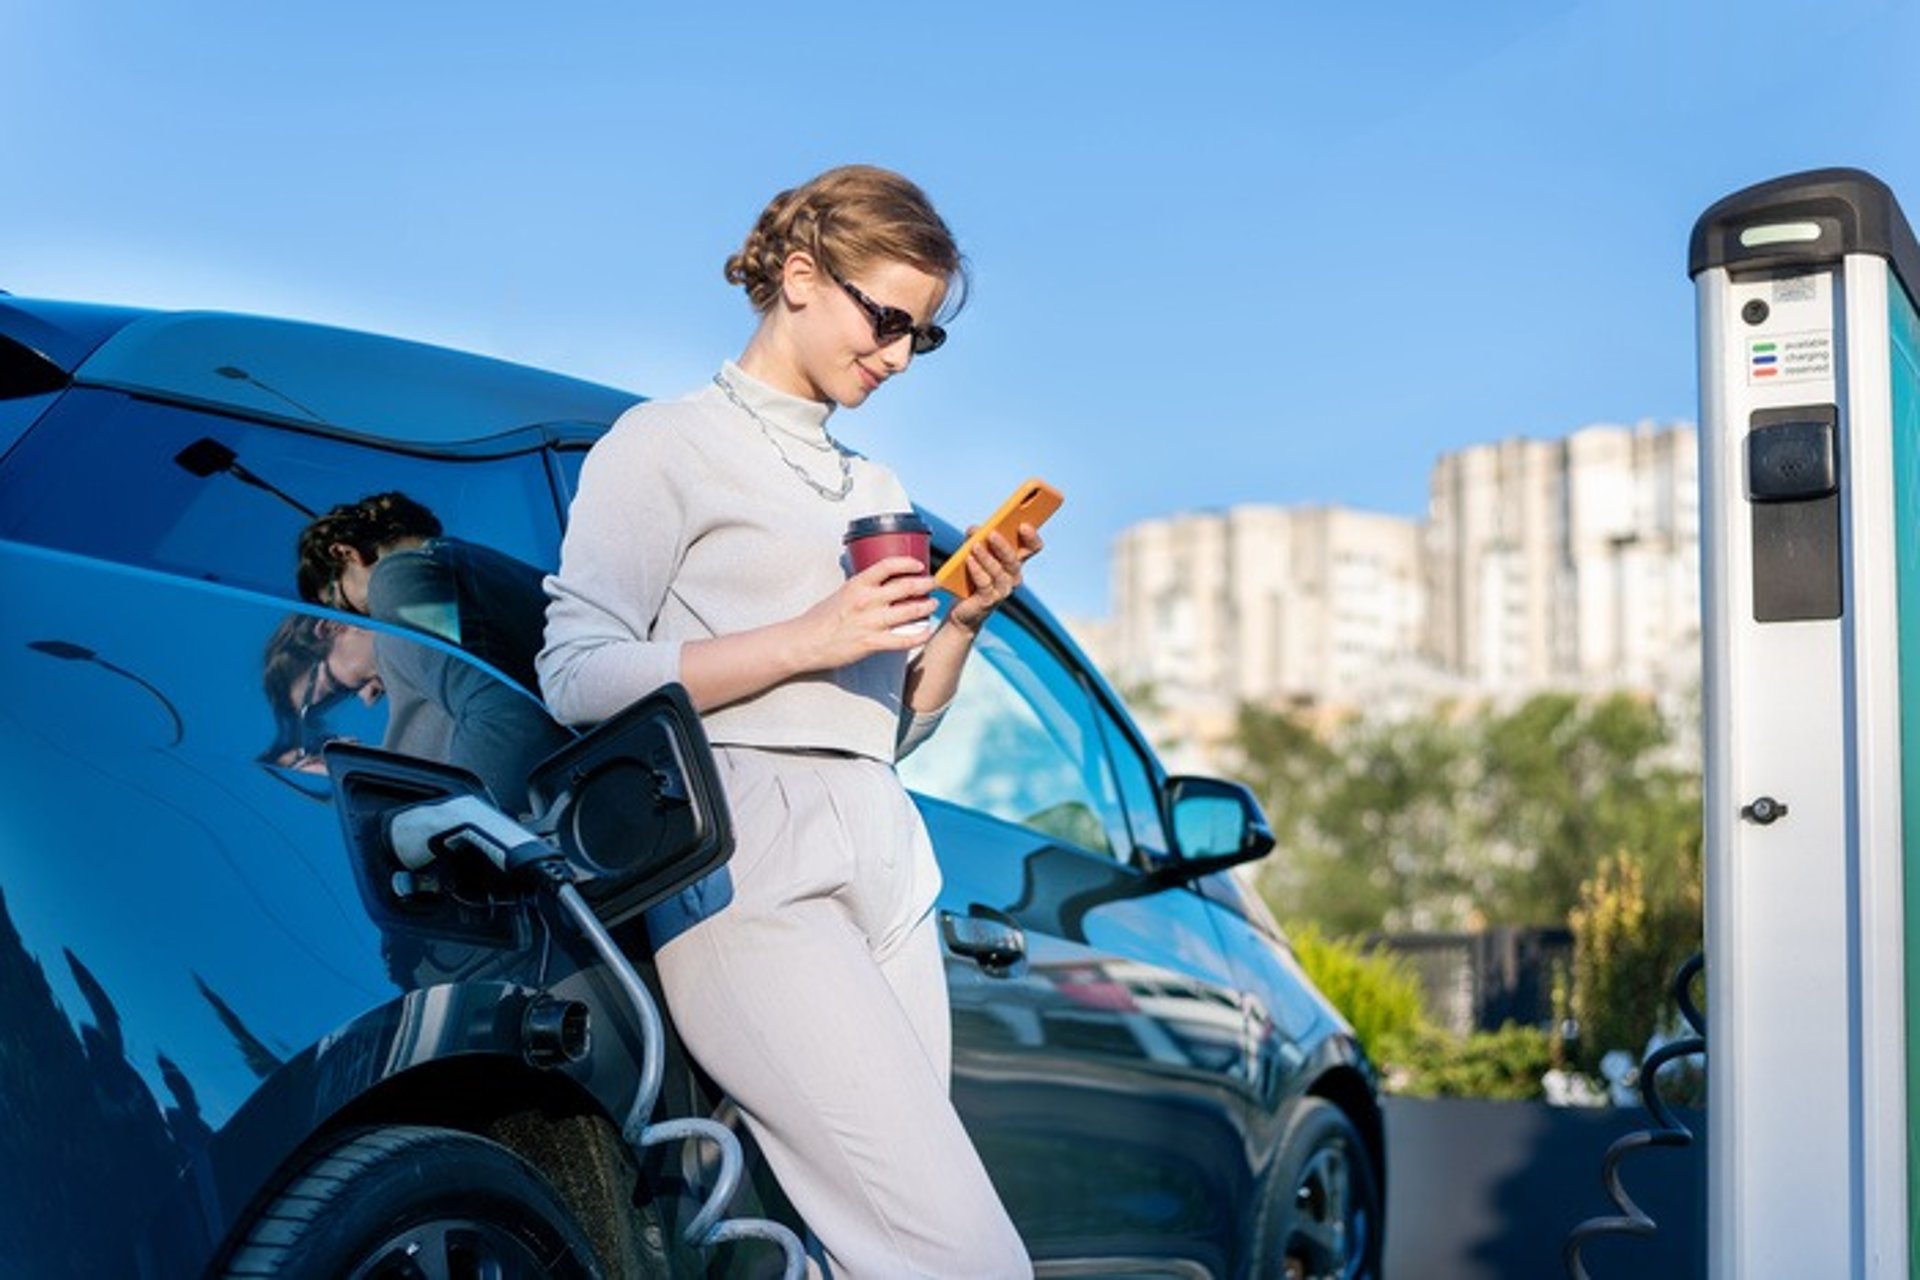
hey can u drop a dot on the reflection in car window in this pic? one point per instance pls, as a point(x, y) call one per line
point(327, 680)
point(204, 519)
point(1137, 786)
point(1019, 743)
point(568, 461)
point(18, 413)
point(322, 683)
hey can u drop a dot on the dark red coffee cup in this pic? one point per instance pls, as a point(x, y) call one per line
point(871, 539)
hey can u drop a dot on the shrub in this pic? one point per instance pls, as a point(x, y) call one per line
point(1629, 940)
point(1380, 995)
point(1374, 990)
point(1431, 1063)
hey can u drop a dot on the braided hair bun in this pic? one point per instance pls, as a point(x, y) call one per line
point(847, 219)
point(374, 522)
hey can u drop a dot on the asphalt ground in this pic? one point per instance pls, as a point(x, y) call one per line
point(1482, 1190)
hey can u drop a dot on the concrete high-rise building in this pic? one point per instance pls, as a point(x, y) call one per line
point(1568, 564)
point(1266, 604)
point(1491, 525)
point(1556, 564)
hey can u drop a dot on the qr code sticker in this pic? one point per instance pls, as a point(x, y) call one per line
point(1796, 289)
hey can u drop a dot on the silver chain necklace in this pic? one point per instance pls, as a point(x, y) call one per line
point(768, 430)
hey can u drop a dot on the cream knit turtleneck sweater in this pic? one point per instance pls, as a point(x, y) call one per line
point(689, 524)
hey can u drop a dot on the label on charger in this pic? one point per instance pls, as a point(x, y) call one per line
point(1789, 357)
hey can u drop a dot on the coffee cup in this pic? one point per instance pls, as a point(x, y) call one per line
point(872, 539)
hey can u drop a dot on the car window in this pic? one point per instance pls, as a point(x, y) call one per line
point(567, 461)
point(1019, 742)
point(1138, 790)
point(17, 413)
point(169, 488)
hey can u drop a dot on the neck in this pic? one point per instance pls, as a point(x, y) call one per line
point(770, 358)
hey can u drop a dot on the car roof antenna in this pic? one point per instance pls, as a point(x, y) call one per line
point(207, 456)
point(238, 374)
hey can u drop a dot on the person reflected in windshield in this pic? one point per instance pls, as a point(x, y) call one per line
point(311, 665)
point(388, 557)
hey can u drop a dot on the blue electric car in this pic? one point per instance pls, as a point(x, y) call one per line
point(276, 1001)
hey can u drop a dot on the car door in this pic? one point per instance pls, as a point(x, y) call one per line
point(1100, 1048)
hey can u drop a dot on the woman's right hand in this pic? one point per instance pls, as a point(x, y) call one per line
point(858, 619)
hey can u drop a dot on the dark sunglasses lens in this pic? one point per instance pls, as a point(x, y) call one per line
point(928, 339)
point(890, 323)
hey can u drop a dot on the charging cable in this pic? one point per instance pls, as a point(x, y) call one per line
point(421, 833)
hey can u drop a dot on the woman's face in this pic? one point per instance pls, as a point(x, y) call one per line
point(349, 665)
point(838, 357)
point(352, 663)
point(348, 589)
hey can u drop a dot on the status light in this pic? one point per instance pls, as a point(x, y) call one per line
point(1779, 233)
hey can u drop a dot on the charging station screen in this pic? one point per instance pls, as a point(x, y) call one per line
point(1903, 327)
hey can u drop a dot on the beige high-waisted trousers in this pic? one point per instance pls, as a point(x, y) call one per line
point(805, 977)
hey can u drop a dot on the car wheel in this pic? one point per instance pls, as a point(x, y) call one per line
point(413, 1203)
point(1321, 1216)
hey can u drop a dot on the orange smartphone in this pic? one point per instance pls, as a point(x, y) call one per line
point(1031, 503)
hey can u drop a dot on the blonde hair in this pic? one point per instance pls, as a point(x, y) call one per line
point(847, 219)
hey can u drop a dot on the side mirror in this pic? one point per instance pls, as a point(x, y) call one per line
point(1216, 825)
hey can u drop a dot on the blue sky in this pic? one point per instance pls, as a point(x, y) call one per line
point(1223, 253)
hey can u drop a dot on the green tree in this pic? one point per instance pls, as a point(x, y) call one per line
point(1369, 830)
point(1288, 766)
point(1566, 782)
point(1397, 854)
point(1436, 822)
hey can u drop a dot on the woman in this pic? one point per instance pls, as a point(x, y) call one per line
point(704, 547)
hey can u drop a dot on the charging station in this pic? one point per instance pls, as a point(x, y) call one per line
point(1809, 350)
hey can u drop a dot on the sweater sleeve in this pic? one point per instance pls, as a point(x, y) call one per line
point(625, 533)
point(915, 728)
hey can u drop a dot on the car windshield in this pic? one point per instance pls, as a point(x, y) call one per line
point(341, 380)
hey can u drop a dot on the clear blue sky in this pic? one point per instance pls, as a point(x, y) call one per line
point(1224, 253)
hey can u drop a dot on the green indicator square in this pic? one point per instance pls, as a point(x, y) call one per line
point(1763, 346)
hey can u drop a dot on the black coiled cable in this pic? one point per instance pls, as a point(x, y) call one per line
point(1667, 1131)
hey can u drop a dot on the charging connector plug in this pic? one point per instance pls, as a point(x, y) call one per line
point(423, 833)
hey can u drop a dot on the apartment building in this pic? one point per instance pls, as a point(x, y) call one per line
point(1266, 604)
point(1568, 563)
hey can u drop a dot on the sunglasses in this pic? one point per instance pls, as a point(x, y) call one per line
point(890, 324)
point(324, 691)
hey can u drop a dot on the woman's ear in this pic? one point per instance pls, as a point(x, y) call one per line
point(800, 278)
point(344, 554)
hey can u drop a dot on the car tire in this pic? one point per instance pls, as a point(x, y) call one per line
point(410, 1201)
point(1321, 1217)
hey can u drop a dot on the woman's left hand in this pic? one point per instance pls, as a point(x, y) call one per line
point(994, 569)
